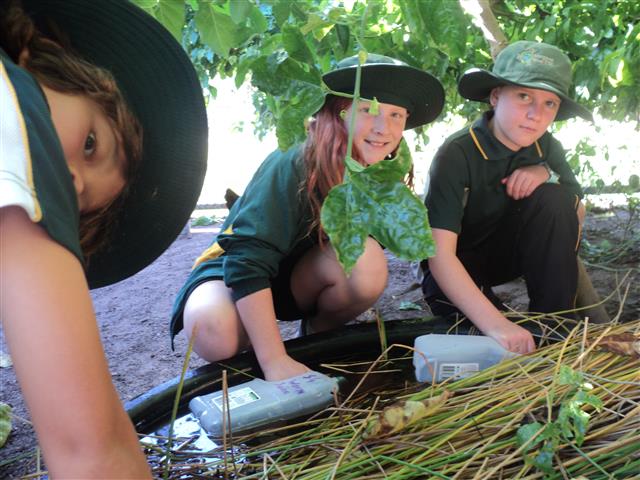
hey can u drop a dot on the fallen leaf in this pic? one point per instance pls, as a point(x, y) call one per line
point(409, 306)
point(401, 414)
point(5, 422)
point(5, 360)
point(622, 344)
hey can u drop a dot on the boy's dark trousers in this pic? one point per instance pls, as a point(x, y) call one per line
point(537, 239)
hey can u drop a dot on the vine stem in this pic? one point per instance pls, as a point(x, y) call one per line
point(356, 91)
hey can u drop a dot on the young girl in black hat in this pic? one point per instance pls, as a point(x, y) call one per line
point(493, 215)
point(73, 168)
point(272, 260)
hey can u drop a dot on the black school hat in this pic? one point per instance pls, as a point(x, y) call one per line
point(391, 81)
point(160, 85)
point(526, 64)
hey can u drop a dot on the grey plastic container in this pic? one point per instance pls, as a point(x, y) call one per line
point(258, 403)
point(455, 356)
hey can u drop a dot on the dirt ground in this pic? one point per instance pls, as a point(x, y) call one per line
point(133, 316)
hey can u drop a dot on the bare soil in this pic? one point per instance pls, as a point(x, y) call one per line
point(133, 316)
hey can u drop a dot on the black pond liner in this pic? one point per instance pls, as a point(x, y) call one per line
point(152, 410)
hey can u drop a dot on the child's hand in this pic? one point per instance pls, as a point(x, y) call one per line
point(524, 180)
point(512, 337)
point(282, 368)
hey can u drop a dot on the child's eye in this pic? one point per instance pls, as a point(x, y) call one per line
point(364, 109)
point(524, 96)
point(552, 104)
point(90, 144)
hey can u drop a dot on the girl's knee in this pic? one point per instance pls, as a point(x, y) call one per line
point(369, 276)
point(213, 325)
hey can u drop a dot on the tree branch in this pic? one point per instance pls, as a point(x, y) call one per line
point(484, 19)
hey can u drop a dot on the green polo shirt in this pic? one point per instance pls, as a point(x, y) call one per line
point(33, 171)
point(465, 194)
point(267, 226)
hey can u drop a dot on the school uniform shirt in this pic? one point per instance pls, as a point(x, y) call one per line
point(466, 195)
point(268, 226)
point(33, 171)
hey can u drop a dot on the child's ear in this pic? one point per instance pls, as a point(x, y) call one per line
point(493, 96)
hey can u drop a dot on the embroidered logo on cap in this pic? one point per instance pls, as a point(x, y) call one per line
point(530, 56)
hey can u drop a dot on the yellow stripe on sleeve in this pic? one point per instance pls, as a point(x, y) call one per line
point(214, 251)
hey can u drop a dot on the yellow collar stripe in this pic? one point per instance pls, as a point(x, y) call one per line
point(484, 155)
point(475, 140)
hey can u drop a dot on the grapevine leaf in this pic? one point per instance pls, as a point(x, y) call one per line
point(345, 216)
point(526, 432)
point(573, 421)
point(568, 376)
point(544, 460)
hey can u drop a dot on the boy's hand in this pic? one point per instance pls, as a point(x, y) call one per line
point(524, 180)
point(283, 367)
point(512, 337)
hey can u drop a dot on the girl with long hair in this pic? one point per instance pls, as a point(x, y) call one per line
point(272, 259)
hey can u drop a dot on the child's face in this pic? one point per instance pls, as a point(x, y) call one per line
point(522, 115)
point(91, 146)
point(376, 136)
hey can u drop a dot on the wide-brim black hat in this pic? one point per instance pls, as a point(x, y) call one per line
point(160, 85)
point(391, 81)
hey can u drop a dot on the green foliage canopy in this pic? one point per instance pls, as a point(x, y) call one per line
point(284, 46)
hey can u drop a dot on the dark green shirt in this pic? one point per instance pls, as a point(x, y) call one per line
point(465, 192)
point(33, 171)
point(269, 225)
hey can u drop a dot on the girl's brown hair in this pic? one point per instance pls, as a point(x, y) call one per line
point(324, 154)
point(52, 62)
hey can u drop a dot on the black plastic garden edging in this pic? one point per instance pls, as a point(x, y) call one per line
point(152, 409)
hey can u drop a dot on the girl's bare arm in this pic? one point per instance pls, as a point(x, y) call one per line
point(259, 320)
point(55, 344)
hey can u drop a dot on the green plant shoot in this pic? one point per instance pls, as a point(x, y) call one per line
point(571, 423)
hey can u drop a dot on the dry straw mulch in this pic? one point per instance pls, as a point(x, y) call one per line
point(571, 410)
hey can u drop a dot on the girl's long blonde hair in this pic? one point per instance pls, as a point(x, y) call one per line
point(54, 65)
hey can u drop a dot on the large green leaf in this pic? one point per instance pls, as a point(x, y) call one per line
point(239, 10)
point(305, 100)
point(170, 13)
point(446, 23)
point(296, 45)
point(346, 215)
point(219, 31)
point(384, 208)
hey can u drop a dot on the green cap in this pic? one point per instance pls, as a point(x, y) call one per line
point(526, 64)
point(161, 87)
point(391, 81)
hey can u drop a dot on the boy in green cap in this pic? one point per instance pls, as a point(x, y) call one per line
point(495, 216)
